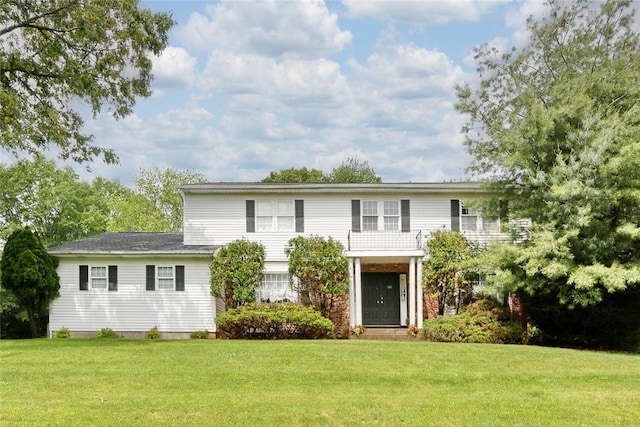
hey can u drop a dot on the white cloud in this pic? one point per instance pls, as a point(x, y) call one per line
point(421, 12)
point(174, 68)
point(268, 28)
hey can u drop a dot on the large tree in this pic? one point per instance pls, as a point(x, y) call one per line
point(556, 124)
point(56, 53)
point(29, 272)
point(352, 170)
point(296, 175)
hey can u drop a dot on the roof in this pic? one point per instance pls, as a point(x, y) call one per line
point(306, 187)
point(132, 243)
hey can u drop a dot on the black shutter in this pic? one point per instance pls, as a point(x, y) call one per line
point(251, 216)
point(151, 277)
point(355, 215)
point(179, 277)
point(113, 278)
point(455, 215)
point(299, 216)
point(84, 277)
point(405, 216)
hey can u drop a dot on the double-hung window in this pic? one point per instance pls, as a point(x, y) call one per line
point(391, 215)
point(469, 219)
point(369, 215)
point(165, 278)
point(98, 277)
point(276, 215)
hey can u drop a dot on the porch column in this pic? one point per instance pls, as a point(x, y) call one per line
point(412, 291)
point(420, 293)
point(358, 283)
point(352, 295)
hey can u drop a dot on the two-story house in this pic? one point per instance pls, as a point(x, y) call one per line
point(131, 282)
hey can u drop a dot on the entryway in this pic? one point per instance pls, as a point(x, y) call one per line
point(381, 299)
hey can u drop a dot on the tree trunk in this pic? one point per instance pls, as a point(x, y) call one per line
point(34, 323)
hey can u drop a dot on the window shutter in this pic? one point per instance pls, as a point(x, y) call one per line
point(405, 216)
point(299, 216)
point(151, 277)
point(179, 277)
point(84, 277)
point(251, 216)
point(355, 215)
point(455, 215)
point(113, 278)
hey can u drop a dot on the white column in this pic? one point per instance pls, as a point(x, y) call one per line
point(352, 295)
point(412, 291)
point(403, 300)
point(420, 296)
point(358, 301)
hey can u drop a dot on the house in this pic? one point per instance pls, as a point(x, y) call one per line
point(131, 282)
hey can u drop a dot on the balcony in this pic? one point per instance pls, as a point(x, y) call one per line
point(384, 240)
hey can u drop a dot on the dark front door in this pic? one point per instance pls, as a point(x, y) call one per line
point(381, 299)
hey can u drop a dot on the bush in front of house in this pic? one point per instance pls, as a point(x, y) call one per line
point(483, 321)
point(153, 334)
point(63, 332)
point(273, 321)
point(106, 333)
point(200, 335)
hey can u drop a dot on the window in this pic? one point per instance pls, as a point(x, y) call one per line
point(275, 287)
point(490, 225)
point(469, 219)
point(98, 277)
point(275, 215)
point(369, 215)
point(391, 215)
point(165, 278)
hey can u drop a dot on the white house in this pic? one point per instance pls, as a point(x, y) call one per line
point(131, 282)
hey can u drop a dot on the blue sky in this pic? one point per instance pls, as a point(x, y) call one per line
point(249, 87)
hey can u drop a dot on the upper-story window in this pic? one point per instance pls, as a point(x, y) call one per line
point(391, 215)
point(374, 215)
point(275, 215)
point(369, 215)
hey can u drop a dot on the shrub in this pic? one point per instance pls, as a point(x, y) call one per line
point(484, 321)
point(273, 321)
point(63, 332)
point(199, 335)
point(106, 333)
point(153, 333)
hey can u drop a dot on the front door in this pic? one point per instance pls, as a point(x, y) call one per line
point(381, 299)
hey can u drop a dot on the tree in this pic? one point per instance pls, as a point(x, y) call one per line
point(560, 133)
point(237, 271)
point(319, 272)
point(557, 126)
point(354, 170)
point(296, 175)
point(53, 202)
point(56, 53)
point(160, 187)
point(29, 272)
point(444, 273)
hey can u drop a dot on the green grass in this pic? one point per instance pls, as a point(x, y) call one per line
point(77, 382)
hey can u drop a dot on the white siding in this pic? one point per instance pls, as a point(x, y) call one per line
point(132, 307)
point(216, 219)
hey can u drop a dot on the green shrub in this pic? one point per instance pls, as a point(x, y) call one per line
point(106, 333)
point(484, 321)
point(62, 333)
point(273, 321)
point(153, 333)
point(199, 335)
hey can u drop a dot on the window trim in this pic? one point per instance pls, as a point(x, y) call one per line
point(291, 220)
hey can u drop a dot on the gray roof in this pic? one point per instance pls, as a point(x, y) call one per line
point(132, 243)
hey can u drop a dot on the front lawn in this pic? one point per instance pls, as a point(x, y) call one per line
point(275, 383)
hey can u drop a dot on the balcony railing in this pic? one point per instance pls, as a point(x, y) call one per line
point(385, 240)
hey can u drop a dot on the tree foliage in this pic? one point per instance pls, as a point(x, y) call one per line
point(318, 270)
point(556, 124)
point(56, 53)
point(53, 202)
point(445, 275)
point(352, 170)
point(29, 272)
point(237, 271)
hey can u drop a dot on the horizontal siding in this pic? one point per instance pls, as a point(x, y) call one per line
point(220, 219)
point(131, 307)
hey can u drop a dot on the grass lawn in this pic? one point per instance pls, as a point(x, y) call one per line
point(105, 382)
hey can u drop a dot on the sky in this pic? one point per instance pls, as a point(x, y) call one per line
point(249, 87)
